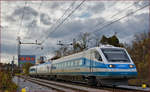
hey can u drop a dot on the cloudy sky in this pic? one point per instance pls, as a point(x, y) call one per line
point(36, 20)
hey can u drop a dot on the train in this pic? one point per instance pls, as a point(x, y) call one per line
point(103, 65)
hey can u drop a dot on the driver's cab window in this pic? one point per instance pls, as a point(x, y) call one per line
point(97, 56)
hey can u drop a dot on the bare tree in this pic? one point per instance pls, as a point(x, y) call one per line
point(84, 39)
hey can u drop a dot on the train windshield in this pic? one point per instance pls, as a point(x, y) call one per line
point(115, 55)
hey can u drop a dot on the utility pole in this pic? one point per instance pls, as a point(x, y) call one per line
point(19, 44)
point(18, 53)
point(12, 65)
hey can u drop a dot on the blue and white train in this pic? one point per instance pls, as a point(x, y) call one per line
point(99, 65)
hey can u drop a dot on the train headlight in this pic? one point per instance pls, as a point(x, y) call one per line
point(131, 66)
point(111, 66)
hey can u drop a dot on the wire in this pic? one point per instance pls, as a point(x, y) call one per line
point(71, 5)
point(121, 18)
point(21, 19)
point(117, 13)
point(63, 21)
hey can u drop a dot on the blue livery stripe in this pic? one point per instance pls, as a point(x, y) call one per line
point(101, 73)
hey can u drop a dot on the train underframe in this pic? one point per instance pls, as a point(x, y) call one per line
point(90, 80)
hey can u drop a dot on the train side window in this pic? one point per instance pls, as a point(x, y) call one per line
point(70, 63)
point(59, 65)
point(67, 64)
point(64, 64)
point(80, 62)
point(55, 66)
point(75, 63)
point(97, 56)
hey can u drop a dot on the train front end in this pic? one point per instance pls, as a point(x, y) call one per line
point(120, 67)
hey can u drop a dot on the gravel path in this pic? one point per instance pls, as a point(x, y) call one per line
point(31, 87)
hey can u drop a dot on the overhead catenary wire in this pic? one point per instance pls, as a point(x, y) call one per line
point(19, 29)
point(62, 22)
point(123, 10)
point(117, 13)
point(71, 6)
point(120, 18)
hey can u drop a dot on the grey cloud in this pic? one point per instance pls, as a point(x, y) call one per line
point(130, 27)
point(75, 27)
point(98, 8)
point(32, 24)
point(141, 3)
point(124, 29)
point(45, 19)
point(33, 29)
point(27, 11)
point(10, 18)
point(55, 5)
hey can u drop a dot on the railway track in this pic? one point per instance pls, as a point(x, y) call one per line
point(63, 87)
point(72, 86)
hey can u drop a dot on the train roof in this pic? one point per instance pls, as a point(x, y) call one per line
point(101, 46)
point(43, 64)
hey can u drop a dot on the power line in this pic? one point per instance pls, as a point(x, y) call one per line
point(123, 10)
point(71, 5)
point(121, 18)
point(117, 13)
point(63, 21)
point(21, 19)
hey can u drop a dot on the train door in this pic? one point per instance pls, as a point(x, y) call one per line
point(92, 55)
point(48, 68)
point(87, 62)
point(95, 57)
